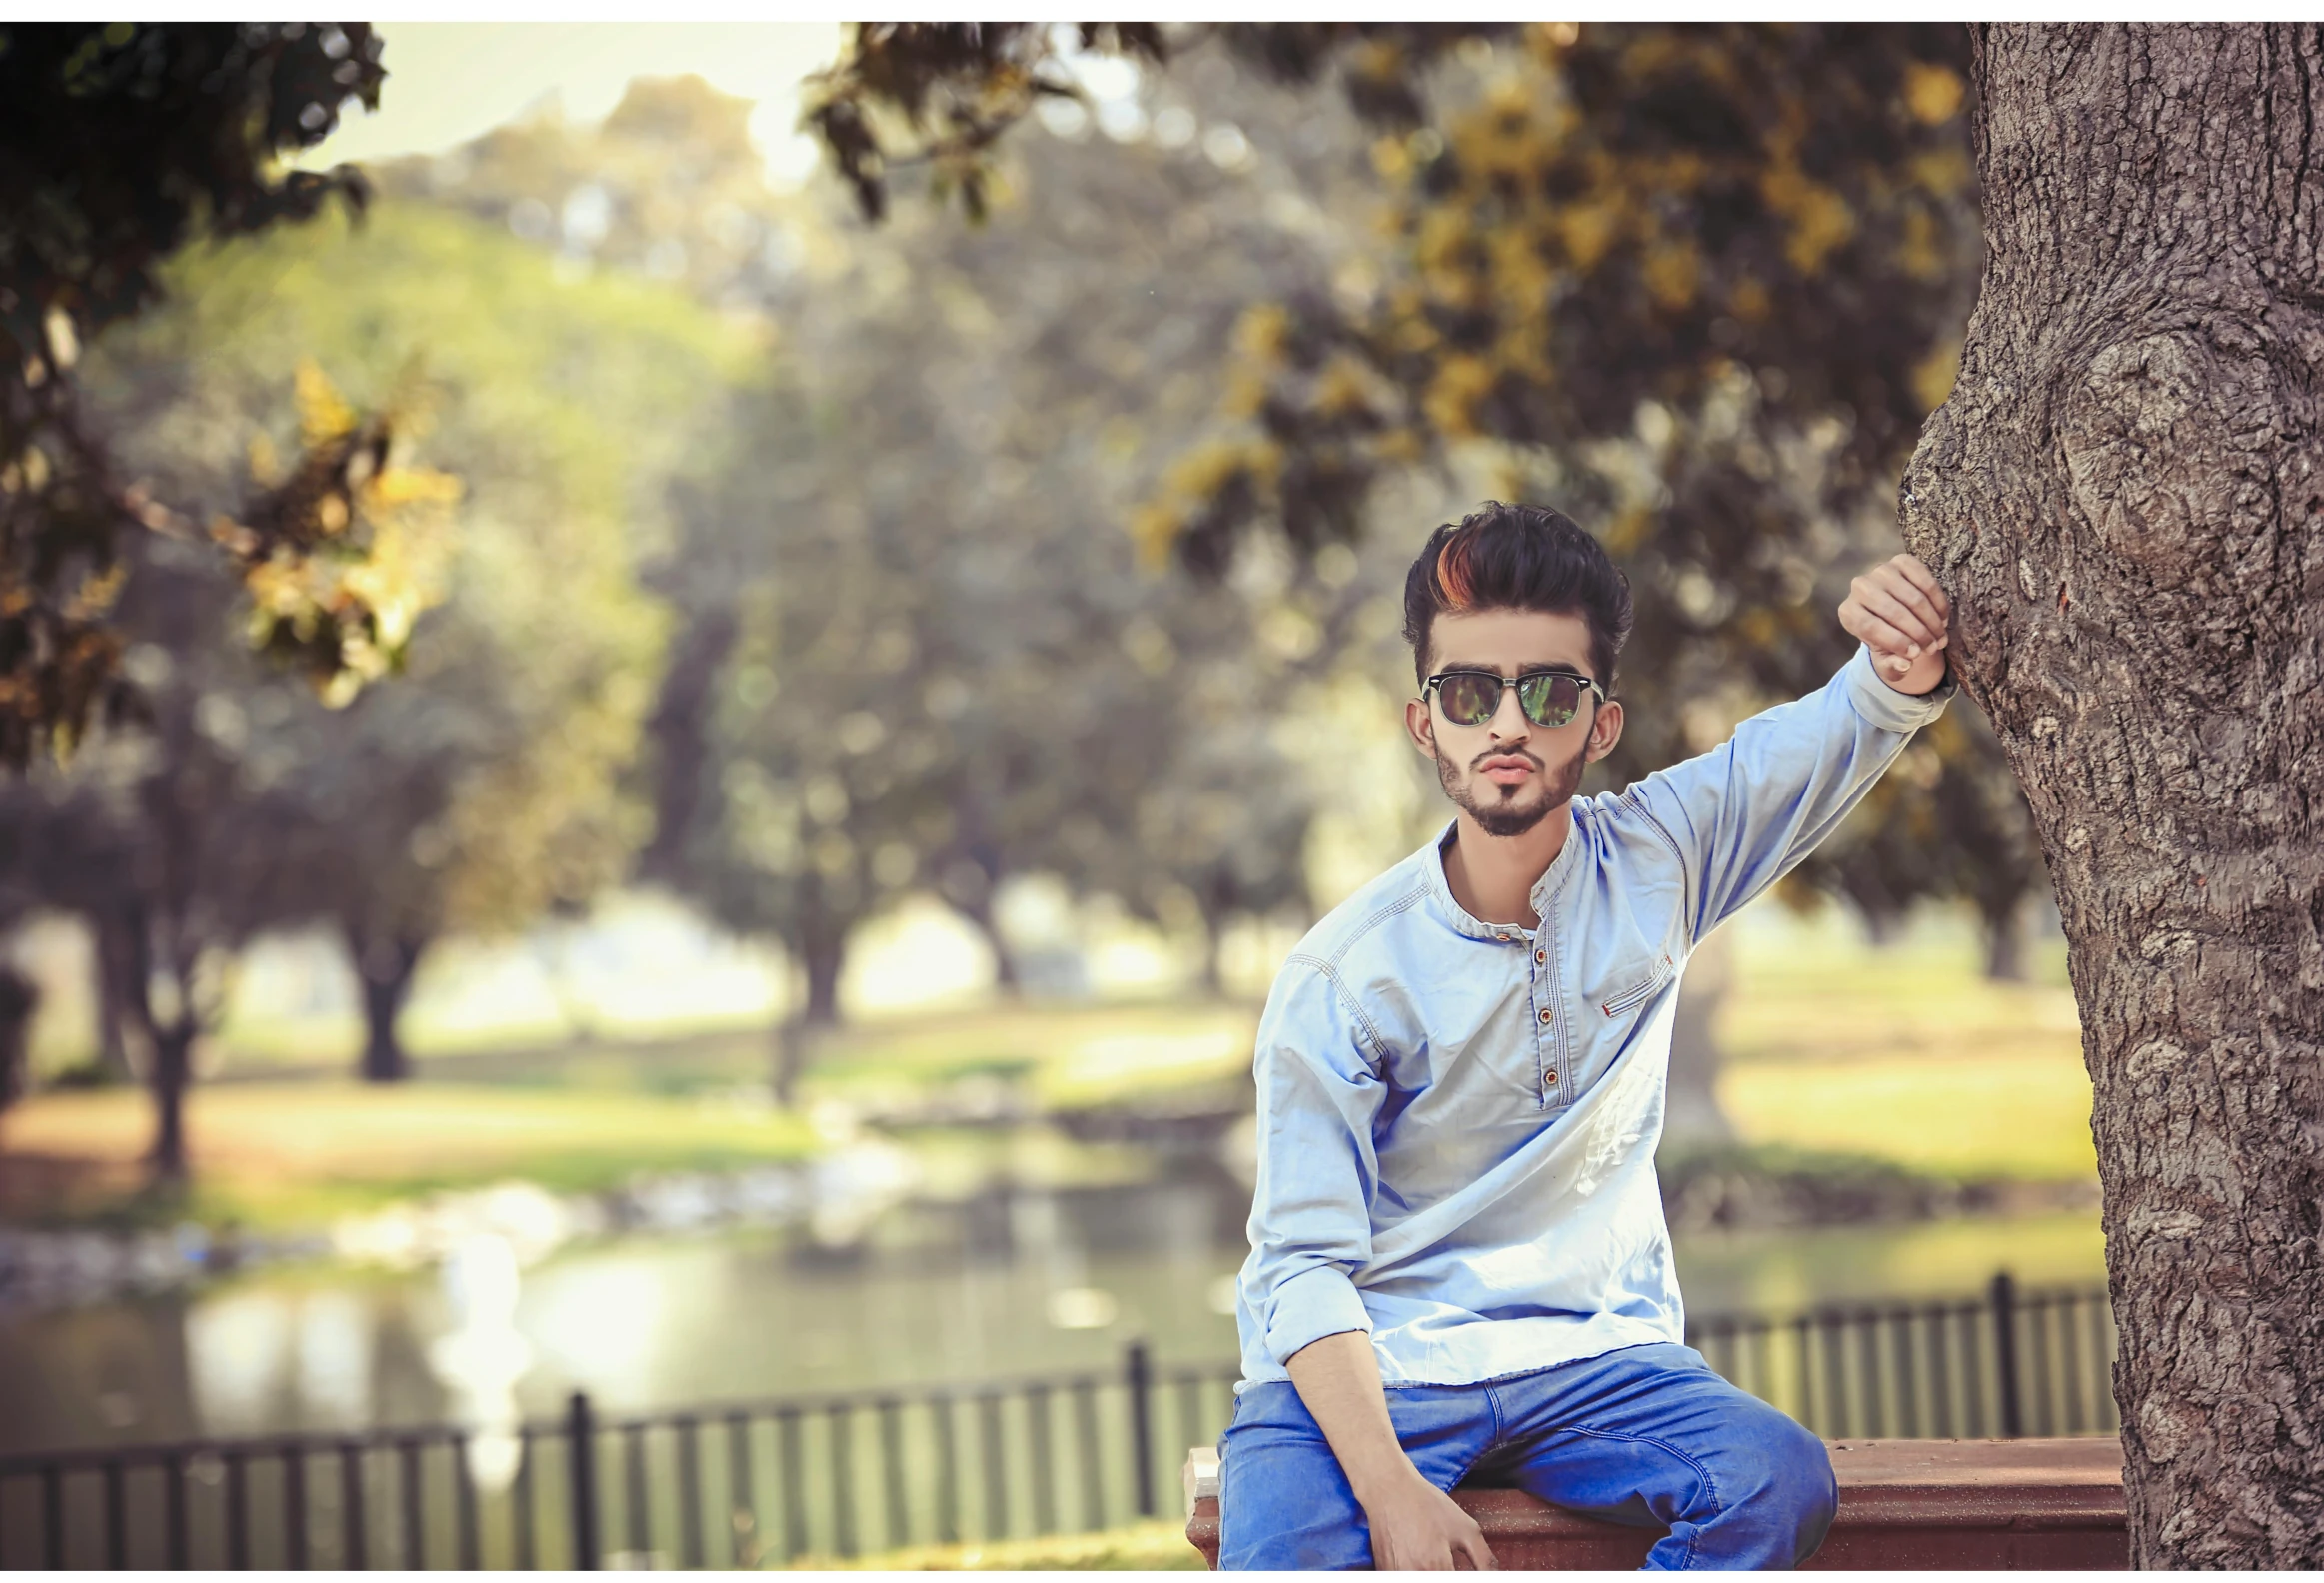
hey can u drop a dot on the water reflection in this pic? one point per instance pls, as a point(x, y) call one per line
point(1016, 1284)
point(481, 1356)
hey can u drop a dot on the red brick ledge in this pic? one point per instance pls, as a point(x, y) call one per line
point(1904, 1504)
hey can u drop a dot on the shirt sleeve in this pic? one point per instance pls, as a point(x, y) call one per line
point(1310, 1213)
point(1743, 816)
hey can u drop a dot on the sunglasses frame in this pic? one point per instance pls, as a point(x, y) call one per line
point(1434, 684)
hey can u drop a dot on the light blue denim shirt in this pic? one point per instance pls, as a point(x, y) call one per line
point(1457, 1119)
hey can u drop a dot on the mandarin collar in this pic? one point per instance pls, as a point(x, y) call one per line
point(1545, 889)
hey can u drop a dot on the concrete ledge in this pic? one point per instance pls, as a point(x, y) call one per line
point(1904, 1505)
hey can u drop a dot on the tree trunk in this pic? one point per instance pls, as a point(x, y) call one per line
point(114, 952)
point(172, 1074)
point(2006, 945)
point(1213, 970)
point(384, 970)
point(823, 956)
point(2125, 496)
point(19, 998)
point(794, 1045)
point(1692, 1115)
point(1005, 975)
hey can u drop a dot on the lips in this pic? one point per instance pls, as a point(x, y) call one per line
point(1506, 768)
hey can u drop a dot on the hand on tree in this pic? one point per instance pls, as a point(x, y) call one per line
point(1416, 1527)
point(1900, 613)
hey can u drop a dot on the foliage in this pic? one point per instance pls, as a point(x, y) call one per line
point(489, 787)
point(1697, 283)
point(668, 187)
point(928, 658)
point(119, 144)
point(939, 93)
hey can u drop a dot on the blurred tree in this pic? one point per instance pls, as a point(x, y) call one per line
point(494, 785)
point(914, 551)
point(181, 838)
point(120, 143)
point(1696, 283)
point(669, 186)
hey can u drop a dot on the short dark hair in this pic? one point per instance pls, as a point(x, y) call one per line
point(1530, 557)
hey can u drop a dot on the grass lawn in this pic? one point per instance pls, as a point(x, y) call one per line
point(1906, 1052)
point(294, 1154)
point(1141, 1547)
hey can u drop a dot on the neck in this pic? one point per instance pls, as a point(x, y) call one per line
point(1493, 876)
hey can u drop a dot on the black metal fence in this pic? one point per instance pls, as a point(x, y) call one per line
point(766, 1483)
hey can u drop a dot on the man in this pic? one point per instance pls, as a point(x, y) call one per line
point(1458, 1266)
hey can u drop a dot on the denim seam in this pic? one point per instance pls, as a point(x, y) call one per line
point(1708, 1484)
point(1637, 800)
point(1331, 976)
point(1354, 938)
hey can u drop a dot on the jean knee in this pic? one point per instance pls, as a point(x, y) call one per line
point(1794, 1481)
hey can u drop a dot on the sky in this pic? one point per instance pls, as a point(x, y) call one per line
point(450, 81)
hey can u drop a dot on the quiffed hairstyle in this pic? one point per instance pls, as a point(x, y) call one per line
point(1529, 558)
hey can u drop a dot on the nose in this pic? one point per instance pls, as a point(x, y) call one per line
point(1510, 723)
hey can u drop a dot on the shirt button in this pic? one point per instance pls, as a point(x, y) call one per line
point(1544, 1013)
point(1552, 1077)
point(1540, 955)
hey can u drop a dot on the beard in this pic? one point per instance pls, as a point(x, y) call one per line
point(1495, 810)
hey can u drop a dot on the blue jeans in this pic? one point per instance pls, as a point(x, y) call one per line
point(1647, 1435)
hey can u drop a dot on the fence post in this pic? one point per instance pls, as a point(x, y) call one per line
point(1137, 1374)
point(581, 1472)
point(2006, 1355)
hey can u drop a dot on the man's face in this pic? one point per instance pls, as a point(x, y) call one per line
point(1508, 773)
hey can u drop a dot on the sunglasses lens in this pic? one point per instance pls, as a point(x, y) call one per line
point(1469, 699)
point(1550, 698)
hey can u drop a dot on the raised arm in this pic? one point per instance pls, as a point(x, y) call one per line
point(1743, 814)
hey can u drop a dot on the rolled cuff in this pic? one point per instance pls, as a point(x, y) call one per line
point(1888, 709)
point(1310, 1306)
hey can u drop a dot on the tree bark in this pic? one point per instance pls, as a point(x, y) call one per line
point(172, 1074)
point(2125, 496)
point(385, 969)
point(115, 954)
point(1006, 977)
point(2006, 947)
point(823, 956)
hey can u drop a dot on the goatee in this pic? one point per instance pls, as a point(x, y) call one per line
point(1502, 819)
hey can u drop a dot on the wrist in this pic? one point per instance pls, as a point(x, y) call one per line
point(1383, 1478)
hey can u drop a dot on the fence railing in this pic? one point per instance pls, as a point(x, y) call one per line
point(765, 1483)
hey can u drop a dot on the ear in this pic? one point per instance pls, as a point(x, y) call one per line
point(1420, 725)
point(1605, 730)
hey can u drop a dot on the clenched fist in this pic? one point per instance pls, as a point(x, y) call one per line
point(1899, 611)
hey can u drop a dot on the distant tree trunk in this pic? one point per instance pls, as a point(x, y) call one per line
point(172, 1076)
point(794, 1047)
point(823, 953)
point(1213, 968)
point(19, 998)
point(678, 733)
point(385, 969)
point(115, 1016)
point(2005, 944)
point(1006, 977)
point(1692, 1114)
point(2125, 496)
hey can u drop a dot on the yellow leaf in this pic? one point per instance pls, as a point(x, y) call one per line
point(1932, 93)
point(324, 415)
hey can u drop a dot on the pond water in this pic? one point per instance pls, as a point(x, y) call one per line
point(1009, 1284)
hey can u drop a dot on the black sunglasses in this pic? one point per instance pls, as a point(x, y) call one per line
point(1548, 698)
